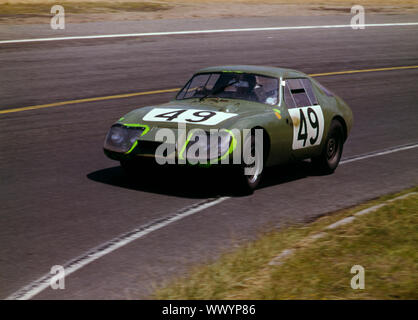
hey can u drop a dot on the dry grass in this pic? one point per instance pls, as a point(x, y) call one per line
point(383, 242)
point(77, 7)
point(316, 2)
point(37, 11)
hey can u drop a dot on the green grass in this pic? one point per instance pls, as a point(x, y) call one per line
point(383, 242)
point(73, 7)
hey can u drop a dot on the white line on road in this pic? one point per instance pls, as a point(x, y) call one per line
point(188, 32)
point(379, 153)
point(43, 283)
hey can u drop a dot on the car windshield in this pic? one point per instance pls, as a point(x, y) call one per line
point(231, 85)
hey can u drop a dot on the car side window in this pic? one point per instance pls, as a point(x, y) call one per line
point(309, 91)
point(288, 98)
point(299, 93)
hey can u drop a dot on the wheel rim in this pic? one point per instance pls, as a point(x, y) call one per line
point(332, 147)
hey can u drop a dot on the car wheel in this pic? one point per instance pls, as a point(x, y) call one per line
point(248, 183)
point(330, 157)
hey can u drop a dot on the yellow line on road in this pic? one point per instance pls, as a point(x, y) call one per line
point(135, 94)
point(361, 71)
point(63, 103)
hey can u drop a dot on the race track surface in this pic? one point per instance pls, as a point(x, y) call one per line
point(60, 196)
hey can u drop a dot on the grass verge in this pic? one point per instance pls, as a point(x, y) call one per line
point(75, 7)
point(38, 11)
point(384, 242)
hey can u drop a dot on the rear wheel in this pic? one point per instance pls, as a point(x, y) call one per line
point(330, 156)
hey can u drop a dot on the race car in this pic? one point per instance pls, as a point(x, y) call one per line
point(245, 118)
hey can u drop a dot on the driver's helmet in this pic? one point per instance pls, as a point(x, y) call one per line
point(246, 84)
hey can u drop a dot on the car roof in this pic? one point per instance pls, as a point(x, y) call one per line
point(260, 70)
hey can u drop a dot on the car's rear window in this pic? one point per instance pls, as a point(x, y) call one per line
point(299, 93)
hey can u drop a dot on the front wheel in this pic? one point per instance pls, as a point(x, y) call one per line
point(330, 156)
point(249, 173)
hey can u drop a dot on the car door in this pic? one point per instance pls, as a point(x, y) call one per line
point(306, 117)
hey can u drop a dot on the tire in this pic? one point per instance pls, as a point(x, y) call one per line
point(248, 183)
point(330, 156)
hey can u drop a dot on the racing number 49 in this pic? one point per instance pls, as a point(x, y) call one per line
point(308, 126)
point(303, 129)
point(201, 115)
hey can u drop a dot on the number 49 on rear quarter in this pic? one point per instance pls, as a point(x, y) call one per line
point(298, 117)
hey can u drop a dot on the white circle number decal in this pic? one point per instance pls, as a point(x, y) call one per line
point(308, 126)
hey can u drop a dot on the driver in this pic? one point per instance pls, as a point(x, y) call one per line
point(246, 87)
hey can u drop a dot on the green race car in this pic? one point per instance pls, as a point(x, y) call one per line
point(244, 118)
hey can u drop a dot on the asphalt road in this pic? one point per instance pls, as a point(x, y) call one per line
point(60, 196)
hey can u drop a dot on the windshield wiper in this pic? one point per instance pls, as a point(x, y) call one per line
point(220, 89)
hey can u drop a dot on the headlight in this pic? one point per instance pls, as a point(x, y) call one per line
point(203, 145)
point(121, 138)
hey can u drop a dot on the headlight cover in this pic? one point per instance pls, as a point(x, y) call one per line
point(208, 146)
point(121, 138)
